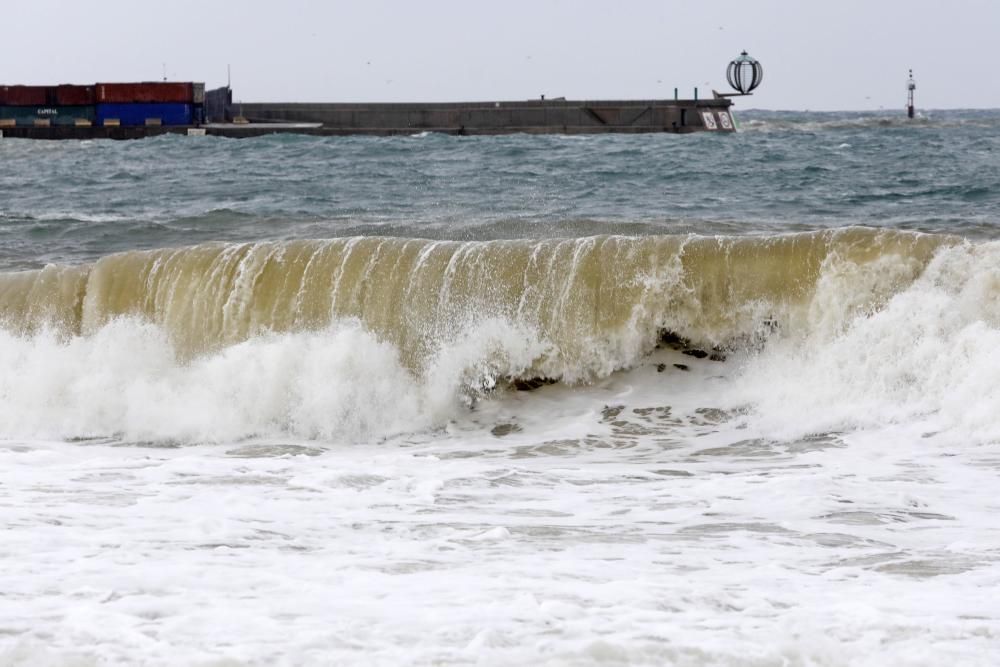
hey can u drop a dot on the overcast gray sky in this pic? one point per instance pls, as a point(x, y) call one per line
point(842, 54)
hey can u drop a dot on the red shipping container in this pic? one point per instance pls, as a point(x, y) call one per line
point(157, 92)
point(24, 96)
point(67, 95)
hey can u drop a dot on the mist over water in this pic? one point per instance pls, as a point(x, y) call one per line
point(598, 400)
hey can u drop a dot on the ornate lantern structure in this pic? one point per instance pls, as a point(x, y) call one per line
point(744, 74)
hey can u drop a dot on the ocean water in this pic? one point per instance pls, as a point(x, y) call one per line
point(562, 400)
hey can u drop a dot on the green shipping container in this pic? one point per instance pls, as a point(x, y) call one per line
point(56, 115)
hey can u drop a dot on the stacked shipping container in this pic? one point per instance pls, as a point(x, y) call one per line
point(109, 104)
point(41, 105)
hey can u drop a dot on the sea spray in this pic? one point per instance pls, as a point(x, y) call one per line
point(125, 381)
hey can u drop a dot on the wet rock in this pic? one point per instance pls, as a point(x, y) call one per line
point(611, 411)
point(673, 473)
point(696, 353)
point(672, 340)
point(660, 368)
point(530, 384)
point(717, 356)
point(500, 430)
point(682, 367)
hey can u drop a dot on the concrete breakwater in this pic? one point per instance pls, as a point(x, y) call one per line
point(542, 116)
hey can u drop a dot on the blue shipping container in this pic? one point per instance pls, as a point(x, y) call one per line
point(138, 114)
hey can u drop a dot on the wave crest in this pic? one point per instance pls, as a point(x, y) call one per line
point(594, 304)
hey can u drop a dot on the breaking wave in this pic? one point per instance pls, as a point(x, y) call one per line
point(362, 338)
point(598, 302)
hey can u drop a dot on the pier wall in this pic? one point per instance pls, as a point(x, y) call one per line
point(533, 117)
point(500, 117)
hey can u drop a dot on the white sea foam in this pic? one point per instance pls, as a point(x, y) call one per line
point(628, 522)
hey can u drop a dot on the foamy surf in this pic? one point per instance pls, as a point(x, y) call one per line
point(632, 520)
